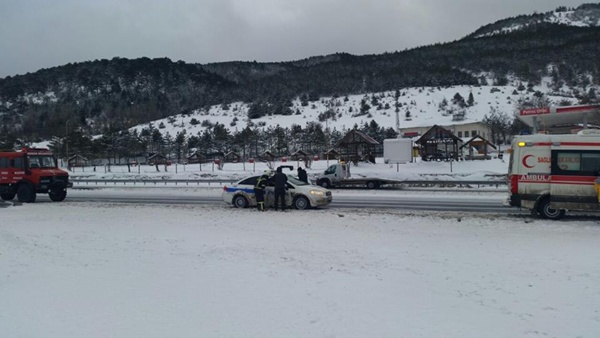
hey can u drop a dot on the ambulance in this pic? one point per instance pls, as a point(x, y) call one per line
point(550, 174)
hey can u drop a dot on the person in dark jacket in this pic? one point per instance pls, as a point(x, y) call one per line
point(279, 180)
point(259, 190)
point(302, 176)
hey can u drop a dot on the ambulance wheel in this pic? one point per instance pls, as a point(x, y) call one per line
point(25, 193)
point(7, 197)
point(301, 203)
point(240, 201)
point(547, 212)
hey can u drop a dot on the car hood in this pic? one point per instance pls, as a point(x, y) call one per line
point(308, 188)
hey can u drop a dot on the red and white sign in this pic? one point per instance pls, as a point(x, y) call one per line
point(535, 111)
point(531, 162)
point(551, 116)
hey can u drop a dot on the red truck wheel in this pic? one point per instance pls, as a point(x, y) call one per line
point(57, 195)
point(7, 197)
point(26, 193)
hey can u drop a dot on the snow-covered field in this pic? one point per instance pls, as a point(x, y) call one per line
point(418, 170)
point(75, 269)
point(100, 270)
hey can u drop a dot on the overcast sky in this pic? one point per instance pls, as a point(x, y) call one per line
point(37, 34)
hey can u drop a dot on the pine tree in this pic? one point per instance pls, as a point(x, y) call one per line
point(459, 100)
point(364, 107)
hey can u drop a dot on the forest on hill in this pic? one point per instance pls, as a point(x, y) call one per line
point(110, 96)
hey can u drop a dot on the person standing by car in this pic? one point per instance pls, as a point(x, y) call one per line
point(279, 181)
point(259, 190)
point(302, 176)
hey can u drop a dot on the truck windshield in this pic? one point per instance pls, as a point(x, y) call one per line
point(42, 161)
point(330, 170)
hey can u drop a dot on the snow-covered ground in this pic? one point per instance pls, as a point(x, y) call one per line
point(100, 270)
point(419, 170)
point(75, 269)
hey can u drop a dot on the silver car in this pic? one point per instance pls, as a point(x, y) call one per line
point(300, 195)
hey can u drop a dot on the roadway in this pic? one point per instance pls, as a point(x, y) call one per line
point(436, 200)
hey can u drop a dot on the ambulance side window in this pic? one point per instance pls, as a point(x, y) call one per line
point(575, 162)
point(590, 162)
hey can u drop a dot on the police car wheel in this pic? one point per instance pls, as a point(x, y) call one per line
point(301, 203)
point(240, 201)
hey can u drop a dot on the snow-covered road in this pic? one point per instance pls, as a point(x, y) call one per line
point(105, 270)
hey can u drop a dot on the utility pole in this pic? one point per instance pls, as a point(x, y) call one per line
point(328, 139)
point(67, 141)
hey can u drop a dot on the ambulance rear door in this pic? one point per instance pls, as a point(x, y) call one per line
point(575, 168)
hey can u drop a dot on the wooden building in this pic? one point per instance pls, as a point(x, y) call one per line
point(439, 144)
point(232, 157)
point(196, 157)
point(157, 158)
point(481, 145)
point(299, 156)
point(357, 146)
point(77, 161)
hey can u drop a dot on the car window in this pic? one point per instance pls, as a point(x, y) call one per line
point(295, 181)
point(249, 181)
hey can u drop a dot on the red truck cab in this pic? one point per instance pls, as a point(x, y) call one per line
point(31, 171)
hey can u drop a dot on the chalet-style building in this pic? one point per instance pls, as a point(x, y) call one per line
point(357, 146)
point(481, 145)
point(439, 143)
point(465, 130)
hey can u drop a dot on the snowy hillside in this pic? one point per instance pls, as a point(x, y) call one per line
point(418, 107)
point(582, 16)
point(579, 17)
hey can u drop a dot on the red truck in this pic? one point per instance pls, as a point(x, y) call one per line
point(30, 171)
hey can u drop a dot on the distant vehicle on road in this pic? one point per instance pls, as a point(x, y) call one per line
point(338, 175)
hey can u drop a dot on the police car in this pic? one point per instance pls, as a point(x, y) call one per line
point(300, 195)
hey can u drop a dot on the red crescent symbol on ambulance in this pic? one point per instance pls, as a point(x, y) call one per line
point(525, 162)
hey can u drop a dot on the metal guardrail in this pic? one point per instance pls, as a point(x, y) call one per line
point(220, 182)
point(148, 182)
point(422, 183)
